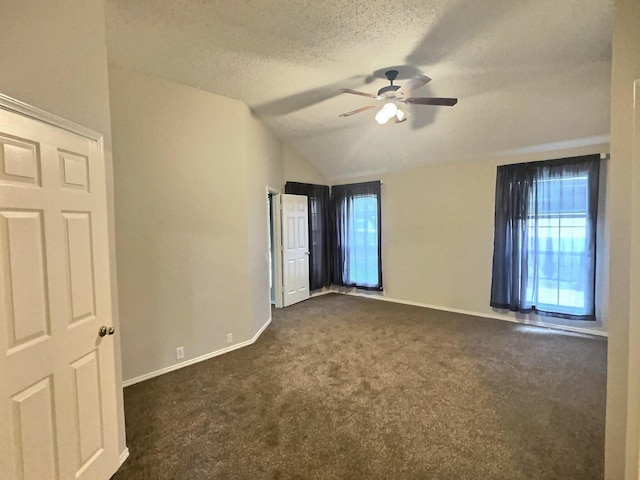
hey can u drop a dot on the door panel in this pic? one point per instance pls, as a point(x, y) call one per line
point(75, 171)
point(20, 162)
point(24, 298)
point(295, 251)
point(57, 376)
point(78, 246)
point(34, 426)
point(87, 408)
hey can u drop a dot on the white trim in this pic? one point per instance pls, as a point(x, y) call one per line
point(262, 329)
point(587, 331)
point(633, 358)
point(26, 110)
point(199, 359)
point(124, 455)
point(272, 245)
point(277, 250)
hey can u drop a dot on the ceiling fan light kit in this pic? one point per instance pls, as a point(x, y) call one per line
point(389, 111)
point(393, 95)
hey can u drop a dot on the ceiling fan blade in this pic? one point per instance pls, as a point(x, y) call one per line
point(447, 102)
point(413, 84)
point(356, 92)
point(362, 109)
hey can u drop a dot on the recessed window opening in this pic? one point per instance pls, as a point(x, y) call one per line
point(544, 256)
point(558, 232)
point(362, 240)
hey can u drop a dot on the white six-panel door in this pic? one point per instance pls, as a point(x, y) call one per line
point(295, 248)
point(57, 377)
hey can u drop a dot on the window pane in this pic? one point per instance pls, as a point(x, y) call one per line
point(558, 243)
point(570, 295)
point(362, 225)
point(573, 239)
point(548, 265)
point(562, 195)
point(547, 292)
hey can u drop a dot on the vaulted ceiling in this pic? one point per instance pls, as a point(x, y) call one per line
point(528, 75)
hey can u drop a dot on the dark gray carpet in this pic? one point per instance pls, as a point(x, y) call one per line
point(341, 387)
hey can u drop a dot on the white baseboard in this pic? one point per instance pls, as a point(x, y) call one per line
point(199, 359)
point(375, 296)
point(124, 455)
point(534, 323)
point(262, 329)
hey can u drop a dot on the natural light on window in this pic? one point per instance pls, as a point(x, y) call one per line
point(558, 233)
point(362, 248)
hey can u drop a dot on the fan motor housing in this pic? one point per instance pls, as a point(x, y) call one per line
point(388, 88)
point(391, 76)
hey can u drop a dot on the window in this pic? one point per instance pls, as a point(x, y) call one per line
point(362, 232)
point(558, 233)
point(545, 233)
point(357, 252)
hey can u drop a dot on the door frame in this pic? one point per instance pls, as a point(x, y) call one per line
point(26, 110)
point(275, 224)
point(632, 454)
point(279, 255)
point(18, 107)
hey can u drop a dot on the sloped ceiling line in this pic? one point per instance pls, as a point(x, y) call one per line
point(525, 73)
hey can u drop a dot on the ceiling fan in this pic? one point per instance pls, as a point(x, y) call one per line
point(392, 95)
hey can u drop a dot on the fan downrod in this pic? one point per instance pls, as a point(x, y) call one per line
point(391, 76)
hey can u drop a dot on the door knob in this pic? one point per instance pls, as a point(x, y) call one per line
point(103, 330)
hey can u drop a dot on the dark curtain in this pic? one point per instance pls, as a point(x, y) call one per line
point(319, 231)
point(545, 237)
point(357, 246)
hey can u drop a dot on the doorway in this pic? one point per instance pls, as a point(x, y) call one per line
point(57, 368)
point(288, 248)
point(272, 241)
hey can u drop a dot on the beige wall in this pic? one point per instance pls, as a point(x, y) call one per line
point(623, 401)
point(54, 57)
point(437, 236)
point(298, 169)
point(190, 172)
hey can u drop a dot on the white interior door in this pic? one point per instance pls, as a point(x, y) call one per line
point(294, 222)
point(57, 374)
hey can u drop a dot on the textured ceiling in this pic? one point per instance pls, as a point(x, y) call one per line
point(529, 75)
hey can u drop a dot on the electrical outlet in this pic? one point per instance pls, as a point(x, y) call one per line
point(229, 338)
point(179, 353)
